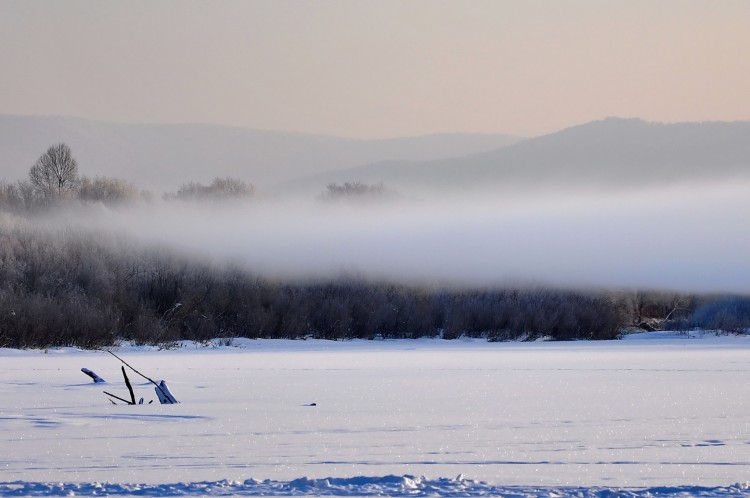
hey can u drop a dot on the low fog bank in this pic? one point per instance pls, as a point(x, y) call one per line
point(688, 238)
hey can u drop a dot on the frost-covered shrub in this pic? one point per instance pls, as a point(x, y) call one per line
point(356, 192)
point(728, 313)
point(533, 313)
point(76, 287)
point(220, 189)
point(107, 190)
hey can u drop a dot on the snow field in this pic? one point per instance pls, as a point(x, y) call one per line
point(579, 418)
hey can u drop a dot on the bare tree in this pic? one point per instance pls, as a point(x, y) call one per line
point(55, 173)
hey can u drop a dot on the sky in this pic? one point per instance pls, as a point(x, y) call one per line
point(377, 68)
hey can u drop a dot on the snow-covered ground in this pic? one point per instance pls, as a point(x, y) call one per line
point(655, 414)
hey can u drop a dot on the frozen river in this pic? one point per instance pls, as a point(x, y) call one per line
point(647, 412)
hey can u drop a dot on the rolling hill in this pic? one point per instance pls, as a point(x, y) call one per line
point(162, 157)
point(612, 152)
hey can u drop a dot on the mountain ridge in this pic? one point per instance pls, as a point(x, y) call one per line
point(607, 152)
point(166, 155)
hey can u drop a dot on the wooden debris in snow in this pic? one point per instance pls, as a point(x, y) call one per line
point(93, 375)
point(165, 397)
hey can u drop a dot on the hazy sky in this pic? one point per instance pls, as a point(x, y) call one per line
point(377, 68)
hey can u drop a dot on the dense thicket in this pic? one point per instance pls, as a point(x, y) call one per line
point(76, 288)
point(728, 313)
point(72, 288)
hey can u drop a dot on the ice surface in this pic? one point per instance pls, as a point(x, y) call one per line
point(668, 415)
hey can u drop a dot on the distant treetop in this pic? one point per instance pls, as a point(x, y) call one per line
point(219, 189)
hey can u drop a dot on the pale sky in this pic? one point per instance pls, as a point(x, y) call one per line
point(377, 68)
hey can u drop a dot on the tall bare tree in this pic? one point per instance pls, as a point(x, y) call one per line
point(55, 173)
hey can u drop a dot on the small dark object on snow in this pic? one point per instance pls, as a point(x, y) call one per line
point(311, 404)
point(93, 375)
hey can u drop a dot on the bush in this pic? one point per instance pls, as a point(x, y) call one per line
point(107, 190)
point(220, 189)
point(726, 313)
point(357, 192)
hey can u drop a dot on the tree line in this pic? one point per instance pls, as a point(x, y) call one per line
point(55, 178)
point(85, 289)
point(76, 287)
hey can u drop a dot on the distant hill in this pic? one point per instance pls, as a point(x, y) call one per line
point(609, 153)
point(162, 157)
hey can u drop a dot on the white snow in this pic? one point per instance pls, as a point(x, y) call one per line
point(664, 416)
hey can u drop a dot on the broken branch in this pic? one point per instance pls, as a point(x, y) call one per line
point(167, 395)
point(127, 383)
point(119, 398)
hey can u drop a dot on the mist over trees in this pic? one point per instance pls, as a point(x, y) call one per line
point(357, 191)
point(82, 289)
point(107, 190)
point(87, 287)
point(219, 189)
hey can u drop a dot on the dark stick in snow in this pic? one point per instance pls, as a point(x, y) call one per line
point(127, 383)
point(117, 397)
point(166, 394)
